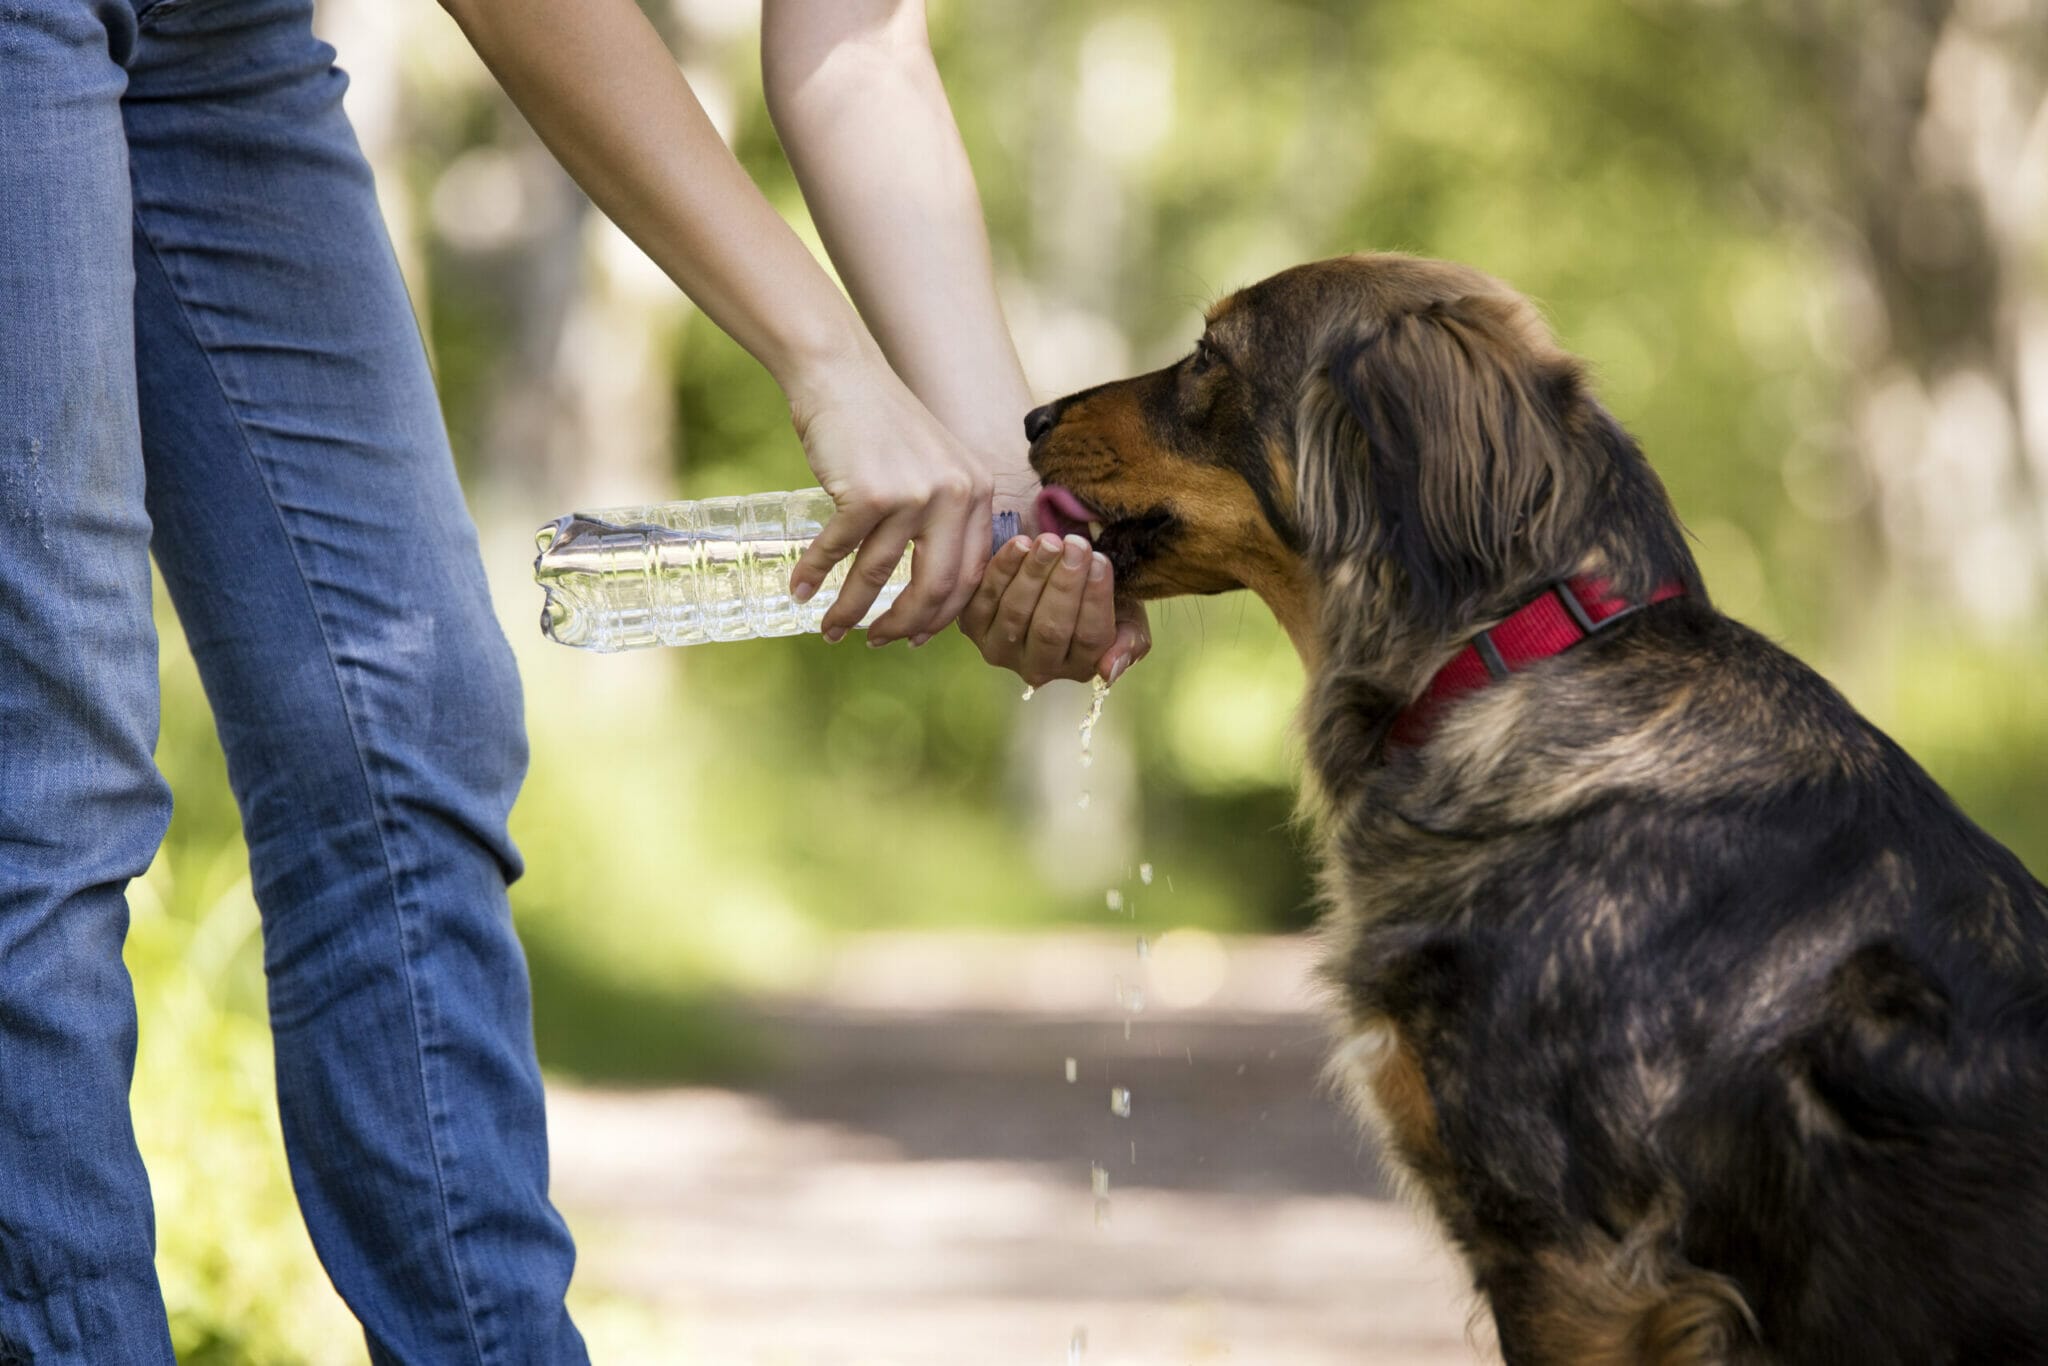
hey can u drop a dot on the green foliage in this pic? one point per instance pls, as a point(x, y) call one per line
point(1975, 716)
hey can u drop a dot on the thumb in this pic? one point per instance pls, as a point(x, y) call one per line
point(1132, 643)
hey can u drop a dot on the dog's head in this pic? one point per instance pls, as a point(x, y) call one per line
point(1381, 446)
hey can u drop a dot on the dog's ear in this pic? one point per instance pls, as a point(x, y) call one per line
point(1436, 439)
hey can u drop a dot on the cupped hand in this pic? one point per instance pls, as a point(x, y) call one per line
point(895, 476)
point(1046, 608)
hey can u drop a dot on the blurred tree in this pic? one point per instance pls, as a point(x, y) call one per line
point(1927, 178)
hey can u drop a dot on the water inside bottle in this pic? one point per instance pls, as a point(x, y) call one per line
point(688, 573)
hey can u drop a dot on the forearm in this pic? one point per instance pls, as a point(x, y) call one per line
point(597, 84)
point(857, 101)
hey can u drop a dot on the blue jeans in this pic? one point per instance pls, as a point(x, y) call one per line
point(206, 351)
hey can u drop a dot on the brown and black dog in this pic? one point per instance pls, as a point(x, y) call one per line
point(1705, 1022)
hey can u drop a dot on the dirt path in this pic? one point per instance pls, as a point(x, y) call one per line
point(912, 1184)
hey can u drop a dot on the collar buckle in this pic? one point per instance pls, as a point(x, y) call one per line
point(1575, 609)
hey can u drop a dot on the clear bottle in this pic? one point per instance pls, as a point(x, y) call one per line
point(686, 573)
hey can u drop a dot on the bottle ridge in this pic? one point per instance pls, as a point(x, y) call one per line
point(690, 572)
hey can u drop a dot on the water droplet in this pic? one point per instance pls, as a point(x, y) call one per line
point(1134, 999)
point(1134, 1152)
point(1145, 873)
point(1127, 1031)
point(1144, 948)
point(1120, 1102)
point(1077, 1347)
point(1083, 803)
point(1099, 690)
point(1113, 899)
point(1098, 1181)
point(1073, 1070)
point(1029, 690)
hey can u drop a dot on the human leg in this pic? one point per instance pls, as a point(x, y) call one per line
point(314, 539)
point(82, 807)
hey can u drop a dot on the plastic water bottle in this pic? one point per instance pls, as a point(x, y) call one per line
point(686, 573)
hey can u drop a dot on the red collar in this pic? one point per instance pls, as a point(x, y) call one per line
point(1567, 613)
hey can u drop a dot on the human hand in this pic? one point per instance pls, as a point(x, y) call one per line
point(1046, 608)
point(895, 476)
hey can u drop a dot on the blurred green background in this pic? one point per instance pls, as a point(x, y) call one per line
point(1801, 242)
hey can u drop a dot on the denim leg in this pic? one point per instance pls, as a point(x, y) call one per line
point(82, 807)
point(314, 538)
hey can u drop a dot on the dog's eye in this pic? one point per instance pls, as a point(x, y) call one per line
point(1204, 357)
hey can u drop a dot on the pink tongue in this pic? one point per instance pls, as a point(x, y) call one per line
point(1061, 513)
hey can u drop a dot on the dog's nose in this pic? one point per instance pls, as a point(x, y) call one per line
point(1039, 421)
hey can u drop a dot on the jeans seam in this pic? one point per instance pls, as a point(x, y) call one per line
point(148, 14)
point(427, 1108)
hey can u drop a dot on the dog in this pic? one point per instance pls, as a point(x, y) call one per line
point(1706, 1024)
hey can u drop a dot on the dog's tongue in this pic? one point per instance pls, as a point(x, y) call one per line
point(1061, 513)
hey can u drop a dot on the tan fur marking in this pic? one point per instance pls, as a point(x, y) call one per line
point(1225, 541)
point(1634, 1307)
point(1403, 1097)
point(1383, 1074)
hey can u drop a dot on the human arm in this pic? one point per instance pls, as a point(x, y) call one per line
point(596, 83)
point(864, 119)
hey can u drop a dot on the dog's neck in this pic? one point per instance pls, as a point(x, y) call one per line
point(1291, 595)
point(1364, 670)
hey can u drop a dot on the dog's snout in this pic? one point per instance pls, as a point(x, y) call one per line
point(1040, 420)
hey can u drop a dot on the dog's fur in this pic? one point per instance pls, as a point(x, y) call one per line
point(1708, 1026)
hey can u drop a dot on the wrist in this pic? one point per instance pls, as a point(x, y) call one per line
point(825, 356)
point(1014, 484)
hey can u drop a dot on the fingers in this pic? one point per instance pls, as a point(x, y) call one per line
point(979, 615)
point(1051, 634)
point(1096, 625)
point(942, 569)
point(873, 565)
point(1133, 641)
point(974, 558)
point(1020, 601)
point(1047, 609)
point(839, 538)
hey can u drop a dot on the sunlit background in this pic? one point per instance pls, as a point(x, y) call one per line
point(1803, 244)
